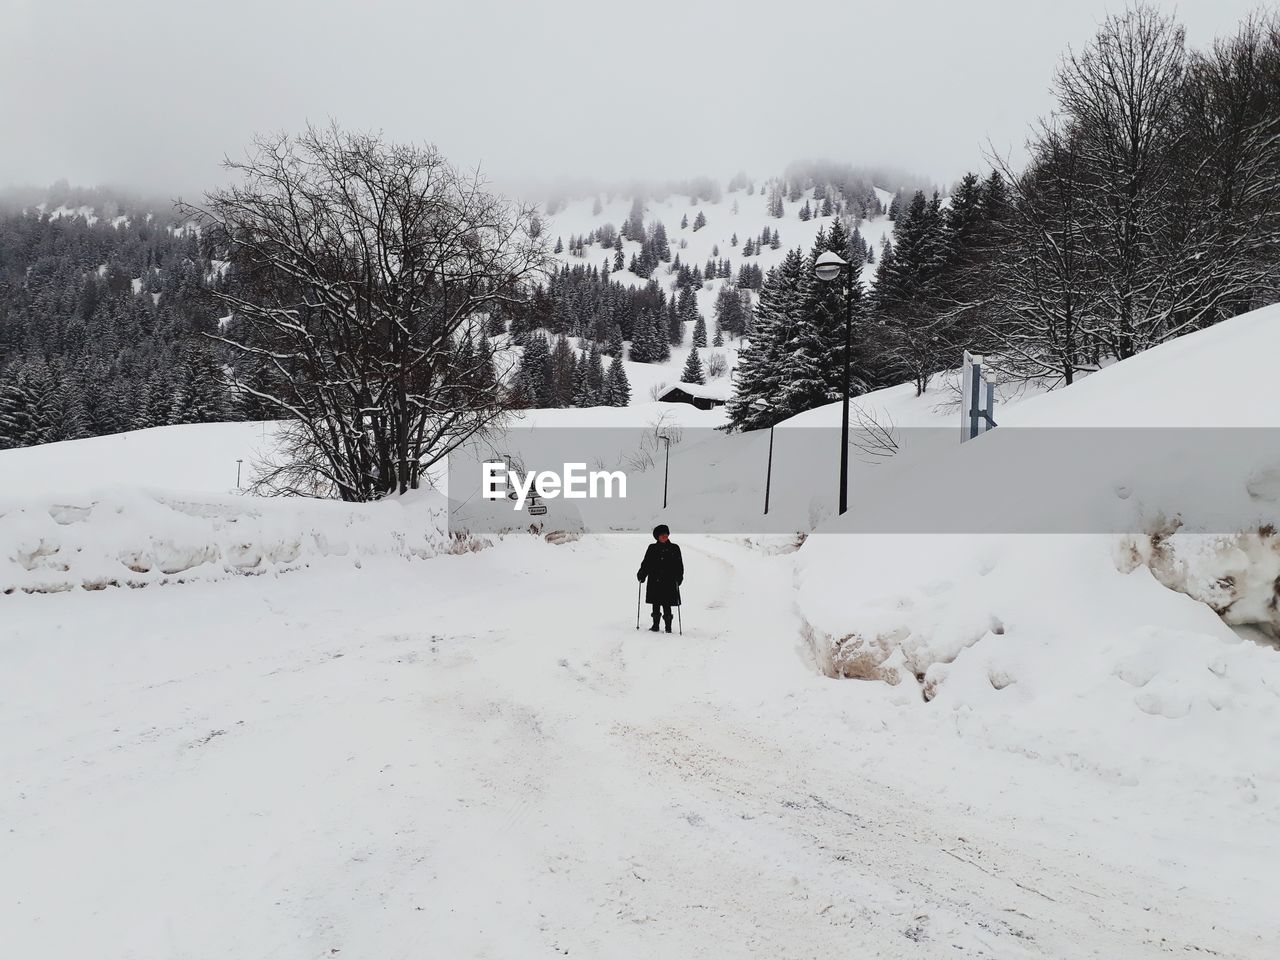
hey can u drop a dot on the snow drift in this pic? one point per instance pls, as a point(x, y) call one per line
point(130, 537)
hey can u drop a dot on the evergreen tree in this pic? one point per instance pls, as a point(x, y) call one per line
point(700, 332)
point(534, 382)
point(198, 393)
point(692, 372)
point(595, 374)
point(563, 373)
point(675, 323)
point(617, 389)
point(757, 397)
point(633, 229)
point(661, 246)
point(699, 221)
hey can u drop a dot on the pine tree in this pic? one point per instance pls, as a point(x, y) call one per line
point(595, 374)
point(700, 332)
point(617, 389)
point(699, 221)
point(760, 376)
point(563, 373)
point(534, 375)
point(633, 229)
point(675, 323)
point(198, 393)
point(559, 246)
point(806, 212)
point(661, 246)
point(684, 222)
point(692, 372)
point(614, 349)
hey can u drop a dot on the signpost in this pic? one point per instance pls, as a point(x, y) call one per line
point(977, 399)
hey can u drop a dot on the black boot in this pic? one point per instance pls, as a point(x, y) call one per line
point(654, 628)
point(668, 622)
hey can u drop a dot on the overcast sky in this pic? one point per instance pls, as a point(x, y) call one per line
point(152, 94)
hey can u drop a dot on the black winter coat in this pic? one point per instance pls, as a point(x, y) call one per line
point(664, 569)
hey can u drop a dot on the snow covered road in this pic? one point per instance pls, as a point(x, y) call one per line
point(479, 756)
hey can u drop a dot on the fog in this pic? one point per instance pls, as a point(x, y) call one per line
point(151, 95)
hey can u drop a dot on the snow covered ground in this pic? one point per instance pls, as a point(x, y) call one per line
point(479, 756)
point(392, 752)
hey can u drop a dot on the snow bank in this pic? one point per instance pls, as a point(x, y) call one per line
point(133, 537)
point(1106, 651)
point(189, 457)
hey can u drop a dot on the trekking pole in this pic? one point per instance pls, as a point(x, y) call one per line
point(680, 617)
point(638, 605)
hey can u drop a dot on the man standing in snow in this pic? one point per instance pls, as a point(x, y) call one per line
point(665, 570)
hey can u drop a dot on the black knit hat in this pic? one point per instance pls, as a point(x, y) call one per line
point(661, 529)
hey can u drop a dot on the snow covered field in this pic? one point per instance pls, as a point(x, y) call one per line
point(395, 752)
point(479, 756)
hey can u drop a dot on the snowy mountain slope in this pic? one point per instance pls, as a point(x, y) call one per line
point(737, 212)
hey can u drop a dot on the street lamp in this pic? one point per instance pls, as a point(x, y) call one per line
point(828, 267)
point(666, 469)
point(768, 472)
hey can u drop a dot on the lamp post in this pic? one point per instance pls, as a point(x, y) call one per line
point(768, 472)
point(666, 469)
point(828, 267)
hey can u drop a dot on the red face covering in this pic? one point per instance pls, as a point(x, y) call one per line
point(662, 537)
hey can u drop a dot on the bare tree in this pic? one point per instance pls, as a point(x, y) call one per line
point(1043, 287)
point(1120, 99)
point(363, 270)
point(1151, 202)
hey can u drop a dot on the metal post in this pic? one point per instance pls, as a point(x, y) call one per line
point(666, 470)
point(975, 400)
point(768, 474)
point(238, 462)
point(844, 422)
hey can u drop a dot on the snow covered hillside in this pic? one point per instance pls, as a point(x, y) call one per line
point(736, 214)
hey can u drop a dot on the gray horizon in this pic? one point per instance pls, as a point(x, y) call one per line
point(145, 97)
